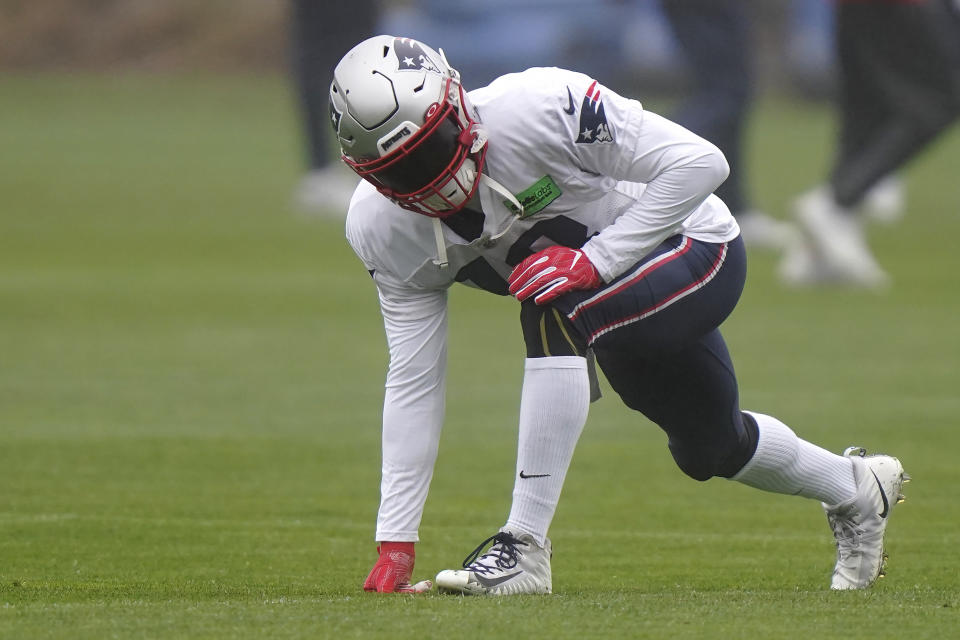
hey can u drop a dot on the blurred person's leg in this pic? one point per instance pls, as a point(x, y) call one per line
point(900, 78)
point(904, 60)
point(321, 32)
point(863, 108)
point(716, 38)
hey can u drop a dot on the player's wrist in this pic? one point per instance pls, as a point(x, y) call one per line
point(386, 546)
point(596, 261)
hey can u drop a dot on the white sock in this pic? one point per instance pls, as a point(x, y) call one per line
point(784, 463)
point(553, 410)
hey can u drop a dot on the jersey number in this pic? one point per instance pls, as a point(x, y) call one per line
point(561, 230)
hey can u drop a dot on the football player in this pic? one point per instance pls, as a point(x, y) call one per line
point(598, 216)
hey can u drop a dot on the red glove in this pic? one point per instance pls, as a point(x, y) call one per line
point(551, 273)
point(392, 572)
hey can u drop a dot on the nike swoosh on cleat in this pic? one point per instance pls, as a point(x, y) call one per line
point(886, 505)
point(492, 582)
point(546, 475)
point(570, 109)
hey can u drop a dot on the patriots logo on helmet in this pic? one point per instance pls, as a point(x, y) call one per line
point(593, 120)
point(335, 116)
point(411, 56)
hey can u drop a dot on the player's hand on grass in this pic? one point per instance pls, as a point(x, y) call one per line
point(551, 273)
point(391, 573)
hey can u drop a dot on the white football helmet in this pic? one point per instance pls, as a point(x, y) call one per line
point(405, 125)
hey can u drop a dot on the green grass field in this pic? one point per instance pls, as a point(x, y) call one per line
point(190, 388)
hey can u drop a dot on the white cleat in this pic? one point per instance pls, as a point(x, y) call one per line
point(763, 232)
point(515, 564)
point(800, 267)
point(859, 523)
point(326, 192)
point(886, 202)
point(838, 241)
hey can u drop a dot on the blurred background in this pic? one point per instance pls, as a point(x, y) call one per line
point(628, 41)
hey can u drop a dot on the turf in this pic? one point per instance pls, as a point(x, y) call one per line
point(190, 385)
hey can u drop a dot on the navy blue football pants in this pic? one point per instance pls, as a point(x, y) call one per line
point(654, 331)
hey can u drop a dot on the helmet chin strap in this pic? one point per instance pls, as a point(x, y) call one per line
point(502, 190)
point(441, 259)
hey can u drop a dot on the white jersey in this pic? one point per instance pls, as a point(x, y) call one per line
point(591, 168)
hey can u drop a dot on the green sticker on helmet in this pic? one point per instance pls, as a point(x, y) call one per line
point(535, 197)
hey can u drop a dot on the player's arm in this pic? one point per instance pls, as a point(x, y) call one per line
point(680, 169)
point(413, 410)
point(617, 138)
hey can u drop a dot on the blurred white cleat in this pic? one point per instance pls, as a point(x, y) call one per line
point(761, 231)
point(326, 192)
point(515, 564)
point(886, 202)
point(859, 523)
point(838, 242)
point(800, 267)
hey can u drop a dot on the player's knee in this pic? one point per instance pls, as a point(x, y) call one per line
point(704, 460)
point(692, 460)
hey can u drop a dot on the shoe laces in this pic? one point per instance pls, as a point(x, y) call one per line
point(504, 554)
point(846, 529)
